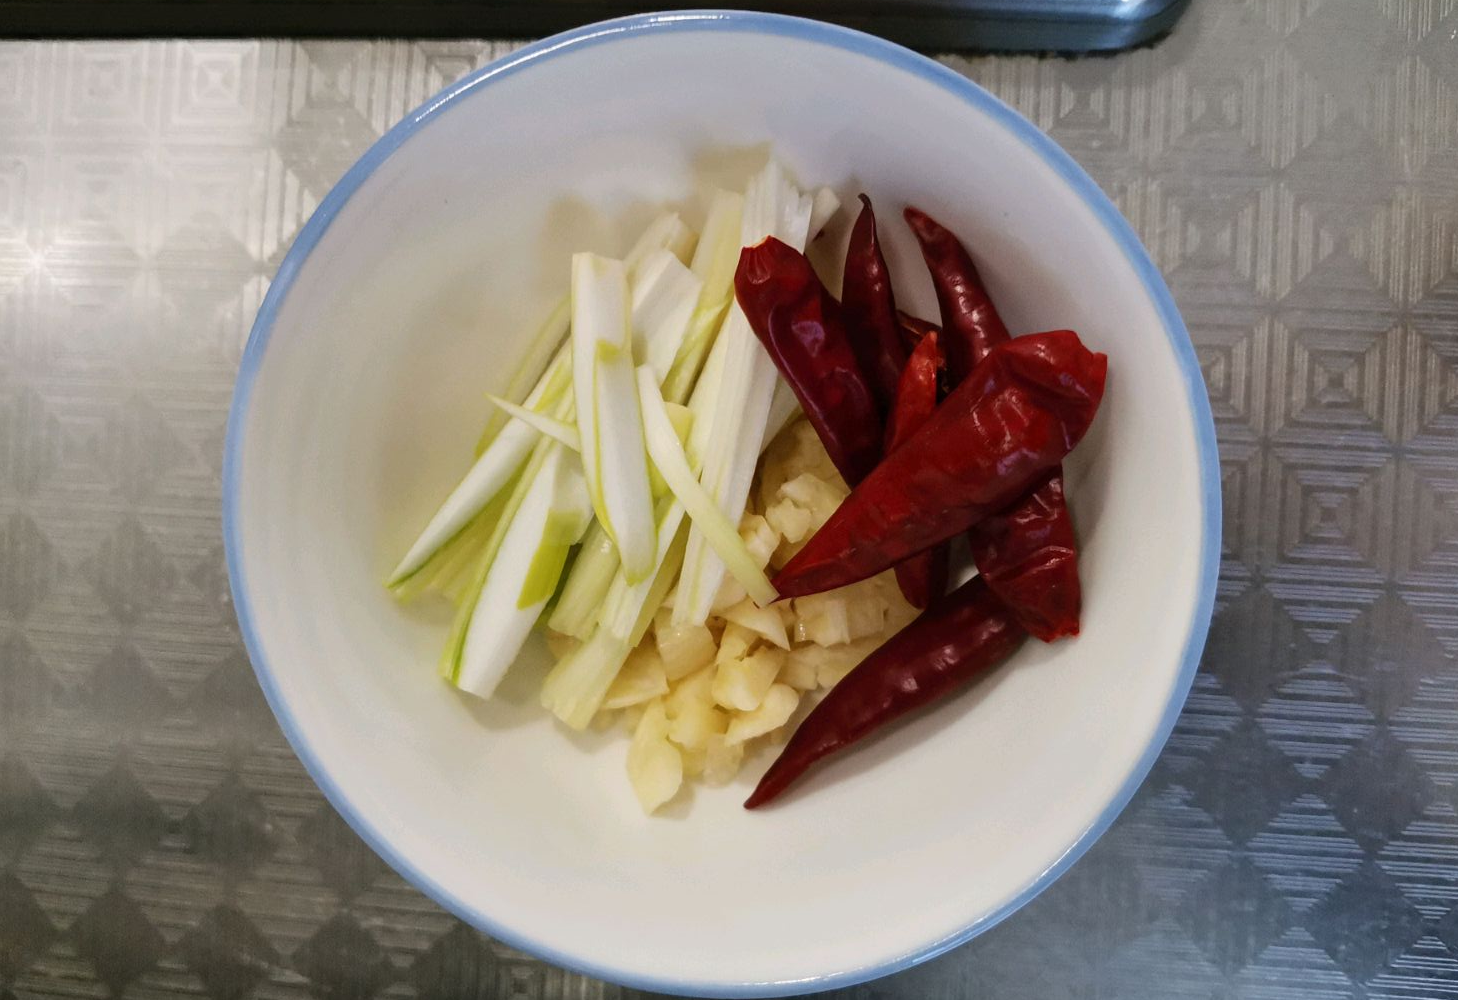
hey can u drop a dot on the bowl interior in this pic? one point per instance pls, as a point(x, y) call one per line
point(420, 296)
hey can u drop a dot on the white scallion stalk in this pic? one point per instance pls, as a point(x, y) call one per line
point(608, 418)
point(714, 262)
point(587, 584)
point(503, 448)
point(783, 408)
point(717, 256)
point(704, 400)
point(667, 453)
point(545, 349)
point(625, 598)
point(550, 519)
point(711, 273)
point(521, 484)
point(666, 232)
point(575, 687)
point(743, 395)
point(669, 564)
point(584, 594)
point(501, 460)
point(822, 209)
point(665, 294)
point(626, 509)
point(600, 314)
point(558, 430)
point(452, 565)
point(682, 419)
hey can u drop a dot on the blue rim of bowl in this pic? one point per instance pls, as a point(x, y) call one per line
point(860, 44)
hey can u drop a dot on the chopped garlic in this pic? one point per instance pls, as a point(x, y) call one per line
point(654, 765)
point(741, 684)
point(773, 712)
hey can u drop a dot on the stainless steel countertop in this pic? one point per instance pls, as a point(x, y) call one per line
point(1292, 166)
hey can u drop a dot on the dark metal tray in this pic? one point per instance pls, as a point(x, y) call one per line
point(942, 25)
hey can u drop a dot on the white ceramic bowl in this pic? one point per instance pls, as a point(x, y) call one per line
point(409, 294)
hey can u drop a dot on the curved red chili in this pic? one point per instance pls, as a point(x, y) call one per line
point(1028, 554)
point(870, 309)
point(1029, 557)
point(800, 325)
point(916, 394)
point(922, 577)
point(913, 329)
point(999, 433)
point(959, 637)
point(970, 325)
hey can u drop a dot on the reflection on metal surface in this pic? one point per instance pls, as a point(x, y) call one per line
point(1290, 166)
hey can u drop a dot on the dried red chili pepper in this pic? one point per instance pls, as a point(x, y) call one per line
point(801, 326)
point(970, 325)
point(878, 339)
point(1029, 554)
point(870, 309)
point(916, 394)
point(959, 637)
point(1029, 557)
point(913, 329)
point(923, 577)
point(999, 433)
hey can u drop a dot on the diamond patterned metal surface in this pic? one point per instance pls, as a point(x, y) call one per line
point(1365, 923)
point(25, 809)
point(343, 861)
point(25, 930)
point(1234, 916)
point(1292, 166)
point(458, 964)
point(116, 938)
point(228, 954)
point(119, 817)
point(343, 962)
point(231, 828)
